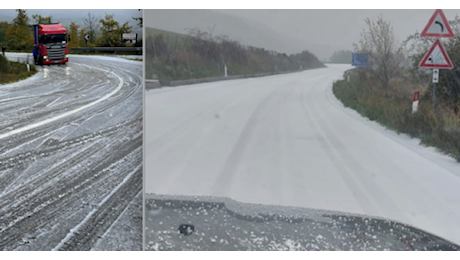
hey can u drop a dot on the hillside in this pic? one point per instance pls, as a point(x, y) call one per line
point(247, 32)
point(174, 56)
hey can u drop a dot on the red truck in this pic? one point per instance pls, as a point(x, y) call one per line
point(51, 44)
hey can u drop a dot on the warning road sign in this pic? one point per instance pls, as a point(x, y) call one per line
point(437, 26)
point(436, 57)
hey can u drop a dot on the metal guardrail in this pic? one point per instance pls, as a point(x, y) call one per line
point(153, 84)
point(110, 49)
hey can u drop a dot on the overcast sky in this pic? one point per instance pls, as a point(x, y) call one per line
point(320, 31)
point(339, 28)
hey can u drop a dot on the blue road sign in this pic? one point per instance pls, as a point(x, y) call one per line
point(359, 59)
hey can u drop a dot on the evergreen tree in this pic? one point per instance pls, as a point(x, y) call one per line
point(19, 36)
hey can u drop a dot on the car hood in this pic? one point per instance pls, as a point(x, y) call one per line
point(225, 224)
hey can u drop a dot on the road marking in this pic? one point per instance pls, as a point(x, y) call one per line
point(66, 114)
point(14, 99)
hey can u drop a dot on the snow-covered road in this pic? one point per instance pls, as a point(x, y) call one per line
point(286, 140)
point(71, 156)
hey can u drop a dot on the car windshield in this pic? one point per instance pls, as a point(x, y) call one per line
point(346, 111)
point(54, 38)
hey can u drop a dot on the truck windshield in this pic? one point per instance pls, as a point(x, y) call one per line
point(53, 38)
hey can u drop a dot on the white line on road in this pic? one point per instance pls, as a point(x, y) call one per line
point(15, 98)
point(50, 120)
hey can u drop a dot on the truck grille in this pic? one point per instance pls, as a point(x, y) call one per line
point(56, 54)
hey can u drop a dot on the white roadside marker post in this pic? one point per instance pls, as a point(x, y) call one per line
point(27, 63)
point(415, 103)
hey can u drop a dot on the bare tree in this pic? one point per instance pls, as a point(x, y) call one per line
point(92, 25)
point(384, 52)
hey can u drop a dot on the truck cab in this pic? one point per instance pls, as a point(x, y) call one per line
point(51, 44)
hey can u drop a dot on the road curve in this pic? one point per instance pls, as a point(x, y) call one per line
point(71, 157)
point(286, 140)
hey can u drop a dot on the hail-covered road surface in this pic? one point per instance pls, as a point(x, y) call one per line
point(286, 140)
point(71, 157)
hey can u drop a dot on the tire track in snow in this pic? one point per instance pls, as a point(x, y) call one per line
point(67, 193)
point(69, 113)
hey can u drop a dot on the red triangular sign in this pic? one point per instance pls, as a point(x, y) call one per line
point(436, 57)
point(437, 26)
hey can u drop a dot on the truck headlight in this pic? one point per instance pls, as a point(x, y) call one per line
point(45, 57)
point(66, 56)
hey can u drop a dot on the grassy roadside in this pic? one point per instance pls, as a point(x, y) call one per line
point(392, 108)
point(14, 71)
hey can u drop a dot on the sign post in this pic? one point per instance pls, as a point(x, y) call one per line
point(436, 58)
point(435, 80)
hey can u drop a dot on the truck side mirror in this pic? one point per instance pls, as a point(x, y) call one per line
point(68, 38)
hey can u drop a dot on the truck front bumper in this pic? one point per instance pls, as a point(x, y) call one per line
point(65, 60)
